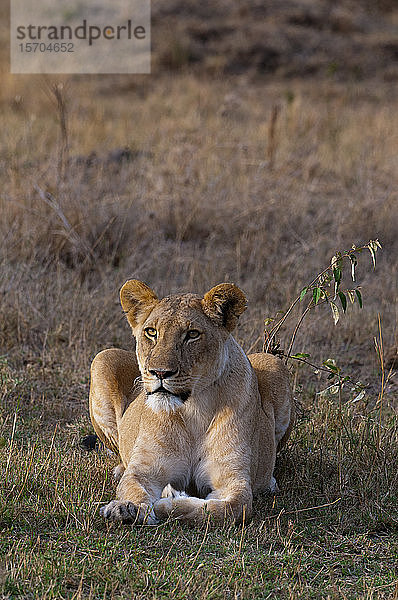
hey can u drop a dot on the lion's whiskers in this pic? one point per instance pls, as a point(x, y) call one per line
point(138, 385)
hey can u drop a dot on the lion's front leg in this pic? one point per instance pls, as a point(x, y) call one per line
point(113, 373)
point(148, 473)
point(135, 496)
point(134, 500)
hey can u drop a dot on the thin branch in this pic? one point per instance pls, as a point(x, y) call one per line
point(296, 330)
point(73, 236)
point(272, 333)
point(307, 362)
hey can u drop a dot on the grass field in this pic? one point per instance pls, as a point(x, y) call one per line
point(184, 180)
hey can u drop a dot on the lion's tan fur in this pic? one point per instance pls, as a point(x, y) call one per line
point(212, 435)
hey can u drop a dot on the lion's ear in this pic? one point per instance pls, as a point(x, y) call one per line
point(224, 304)
point(137, 300)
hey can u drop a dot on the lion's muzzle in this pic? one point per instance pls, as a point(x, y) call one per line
point(183, 396)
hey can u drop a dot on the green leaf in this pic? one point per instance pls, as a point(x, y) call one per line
point(373, 246)
point(343, 301)
point(336, 261)
point(268, 321)
point(316, 294)
point(351, 295)
point(372, 252)
point(330, 363)
point(335, 312)
point(337, 275)
point(300, 355)
point(359, 296)
point(303, 293)
point(354, 263)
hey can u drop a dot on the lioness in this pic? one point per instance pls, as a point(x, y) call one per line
point(201, 436)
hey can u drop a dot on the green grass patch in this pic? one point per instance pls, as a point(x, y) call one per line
point(332, 532)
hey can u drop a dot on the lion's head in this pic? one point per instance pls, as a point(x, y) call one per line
point(180, 339)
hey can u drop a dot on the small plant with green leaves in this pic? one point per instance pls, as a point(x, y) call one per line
point(325, 288)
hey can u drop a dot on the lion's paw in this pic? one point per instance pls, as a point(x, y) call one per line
point(163, 508)
point(117, 510)
point(127, 512)
point(182, 507)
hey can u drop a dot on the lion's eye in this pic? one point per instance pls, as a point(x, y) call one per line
point(151, 333)
point(192, 334)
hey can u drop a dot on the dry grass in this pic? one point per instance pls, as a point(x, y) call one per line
point(331, 533)
point(195, 202)
point(218, 185)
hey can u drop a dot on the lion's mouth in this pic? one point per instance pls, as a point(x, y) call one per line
point(183, 396)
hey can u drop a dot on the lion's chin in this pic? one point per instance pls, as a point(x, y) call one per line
point(163, 402)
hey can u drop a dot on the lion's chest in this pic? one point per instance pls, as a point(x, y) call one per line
point(195, 478)
point(192, 471)
point(210, 440)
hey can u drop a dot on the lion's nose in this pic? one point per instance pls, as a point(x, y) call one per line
point(162, 373)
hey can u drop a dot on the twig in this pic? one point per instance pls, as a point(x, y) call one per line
point(340, 444)
point(296, 330)
point(272, 136)
point(300, 510)
point(58, 89)
point(11, 446)
point(380, 354)
point(307, 362)
point(73, 236)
